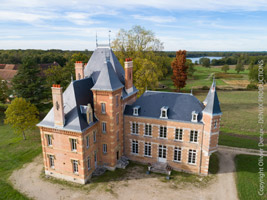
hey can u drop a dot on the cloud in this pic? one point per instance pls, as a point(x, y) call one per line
point(156, 19)
point(24, 16)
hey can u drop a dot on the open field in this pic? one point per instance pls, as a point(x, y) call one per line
point(14, 152)
point(247, 177)
point(203, 77)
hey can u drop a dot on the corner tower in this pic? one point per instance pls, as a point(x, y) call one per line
point(211, 119)
point(107, 93)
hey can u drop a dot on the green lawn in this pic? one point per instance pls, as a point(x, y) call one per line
point(247, 177)
point(14, 152)
point(202, 77)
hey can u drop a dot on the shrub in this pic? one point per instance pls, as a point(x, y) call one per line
point(252, 86)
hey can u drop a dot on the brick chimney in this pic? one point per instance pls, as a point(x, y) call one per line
point(57, 95)
point(79, 66)
point(128, 67)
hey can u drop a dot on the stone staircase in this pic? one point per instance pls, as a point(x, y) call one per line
point(159, 167)
point(122, 162)
point(99, 171)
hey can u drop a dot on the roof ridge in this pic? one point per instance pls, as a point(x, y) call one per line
point(169, 92)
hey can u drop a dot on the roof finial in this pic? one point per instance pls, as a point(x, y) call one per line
point(96, 39)
point(71, 78)
point(109, 37)
point(191, 90)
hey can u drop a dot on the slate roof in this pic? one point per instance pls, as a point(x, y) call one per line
point(107, 79)
point(78, 93)
point(96, 61)
point(180, 105)
point(212, 101)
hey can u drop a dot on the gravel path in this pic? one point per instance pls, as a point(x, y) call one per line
point(28, 181)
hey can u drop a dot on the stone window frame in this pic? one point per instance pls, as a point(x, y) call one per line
point(149, 145)
point(102, 127)
point(134, 147)
point(135, 128)
point(94, 136)
point(72, 145)
point(175, 132)
point(193, 153)
point(194, 131)
point(163, 146)
point(105, 148)
point(177, 149)
point(49, 136)
point(75, 162)
point(87, 139)
point(117, 118)
point(117, 100)
point(164, 132)
point(53, 160)
point(103, 108)
point(149, 130)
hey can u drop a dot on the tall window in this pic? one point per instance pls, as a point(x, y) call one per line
point(105, 148)
point(117, 100)
point(192, 156)
point(163, 132)
point(51, 161)
point(49, 140)
point(178, 134)
point(162, 151)
point(193, 136)
point(103, 108)
point(88, 163)
point(87, 141)
point(104, 127)
point(147, 149)
point(135, 146)
point(73, 144)
point(148, 130)
point(118, 135)
point(177, 154)
point(117, 118)
point(215, 124)
point(135, 128)
point(75, 166)
point(94, 134)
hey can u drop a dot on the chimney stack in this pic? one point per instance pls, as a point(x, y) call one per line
point(57, 95)
point(128, 66)
point(79, 67)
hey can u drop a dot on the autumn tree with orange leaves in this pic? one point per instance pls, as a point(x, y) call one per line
point(179, 69)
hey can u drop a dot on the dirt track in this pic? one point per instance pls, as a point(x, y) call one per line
point(28, 181)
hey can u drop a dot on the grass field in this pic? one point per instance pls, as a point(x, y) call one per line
point(14, 152)
point(248, 178)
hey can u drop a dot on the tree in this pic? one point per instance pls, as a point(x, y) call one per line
point(79, 57)
point(179, 68)
point(22, 116)
point(225, 68)
point(144, 48)
point(205, 62)
point(145, 74)
point(239, 67)
point(28, 83)
point(254, 74)
point(191, 69)
point(4, 91)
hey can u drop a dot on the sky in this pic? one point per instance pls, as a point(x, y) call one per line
point(193, 25)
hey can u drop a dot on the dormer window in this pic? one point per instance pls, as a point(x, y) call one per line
point(164, 112)
point(136, 110)
point(194, 116)
point(88, 111)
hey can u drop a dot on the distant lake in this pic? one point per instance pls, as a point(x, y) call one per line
point(197, 58)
